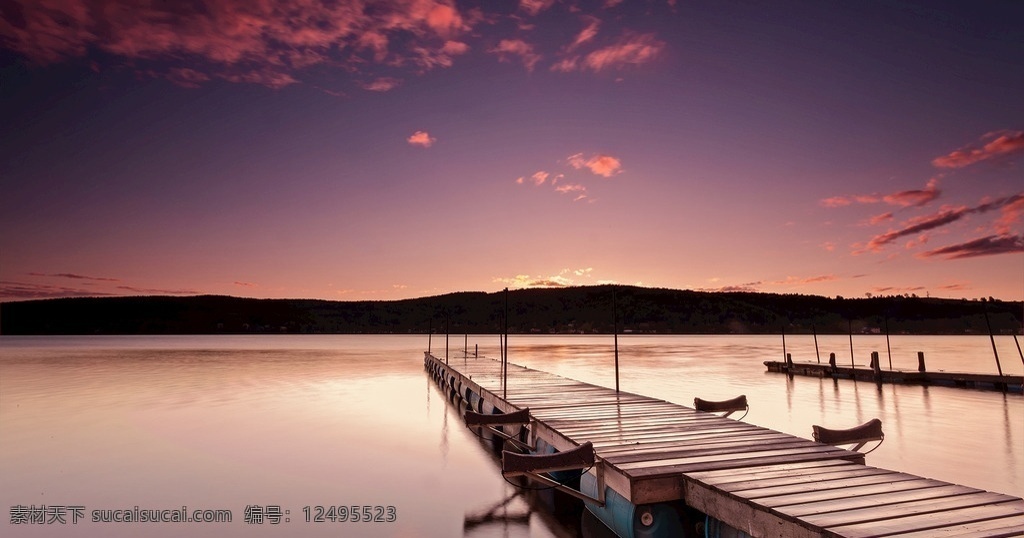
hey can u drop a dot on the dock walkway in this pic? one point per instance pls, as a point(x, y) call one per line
point(760, 481)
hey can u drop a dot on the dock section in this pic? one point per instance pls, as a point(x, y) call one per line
point(654, 454)
point(1006, 383)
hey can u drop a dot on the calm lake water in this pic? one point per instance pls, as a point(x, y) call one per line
point(222, 423)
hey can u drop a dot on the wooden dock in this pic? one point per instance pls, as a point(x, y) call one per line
point(1011, 383)
point(759, 481)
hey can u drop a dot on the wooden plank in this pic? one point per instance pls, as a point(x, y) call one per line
point(992, 528)
point(855, 491)
point(872, 500)
point(767, 471)
point(905, 509)
point(919, 522)
point(815, 486)
point(800, 478)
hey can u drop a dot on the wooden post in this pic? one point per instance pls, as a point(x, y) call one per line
point(789, 361)
point(993, 339)
point(920, 362)
point(476, 351)
point(832, 362)
point(876, 365)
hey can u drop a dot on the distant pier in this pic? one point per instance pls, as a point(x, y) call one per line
point(664, 469)
point(1006, 383)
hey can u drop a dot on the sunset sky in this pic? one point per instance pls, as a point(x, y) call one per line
point(405, 148)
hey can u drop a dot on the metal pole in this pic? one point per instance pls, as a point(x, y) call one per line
point(1019, 352)
point(816, 352)
point(430, 333)
point(446, 338)
point(505, 378)
point(993, 339)
point(852, 365)
point(615, 332)
point(784, 343)
point(889, 349)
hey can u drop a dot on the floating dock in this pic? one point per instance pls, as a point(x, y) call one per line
point(665, 469)
point(1009, 383)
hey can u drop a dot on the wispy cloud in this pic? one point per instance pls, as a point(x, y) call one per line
point(509, 50)
point(266, 42)
point(75, 276)
point(564, 278)
point(984, 246)
point(600, 164)
point(994, 144)
point(630, 50)
point(533, 7)
point(907, 198)
point(12, 290)
point(382, 84)
point(936, 220)
point(421, 138)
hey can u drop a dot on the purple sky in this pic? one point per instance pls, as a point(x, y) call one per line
point(393, 149)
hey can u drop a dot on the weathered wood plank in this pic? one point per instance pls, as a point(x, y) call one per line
point(919, 522)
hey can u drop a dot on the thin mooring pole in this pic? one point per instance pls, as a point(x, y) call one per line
point(504, 383)
point(889, 349)
point(1019, 352)
point(993, 339)
point(430, 333)
point(784, 343)
point(615, 331)
point(446, 325)
point(816, 352)
point(852, 365)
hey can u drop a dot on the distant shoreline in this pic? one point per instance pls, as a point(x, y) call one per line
point(573, 310)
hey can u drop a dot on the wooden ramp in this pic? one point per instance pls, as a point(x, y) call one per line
point(760, 481)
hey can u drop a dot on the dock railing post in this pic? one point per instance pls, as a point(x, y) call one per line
point(920, 362)
point(876, 366)
point(832, 362)
point(615, 332)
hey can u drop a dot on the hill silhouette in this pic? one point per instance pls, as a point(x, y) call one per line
point(552, 310)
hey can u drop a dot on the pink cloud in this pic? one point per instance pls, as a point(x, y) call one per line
point(382, 84)
point(915, 197)
point(507, 49)
point(985, 246)
point(587, 34)
point(253, 41)
point(539, 178)
point(75, 276)
point(998, 143)
point(631, 50)
point(944, 217)
point(1012, 213)
point(878, 219)
point(908, 198)
point(421, 138)
point(533, 7)
point(600, 164)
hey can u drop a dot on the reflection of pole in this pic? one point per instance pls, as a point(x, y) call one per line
point(993, 338)
point(615, 331)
